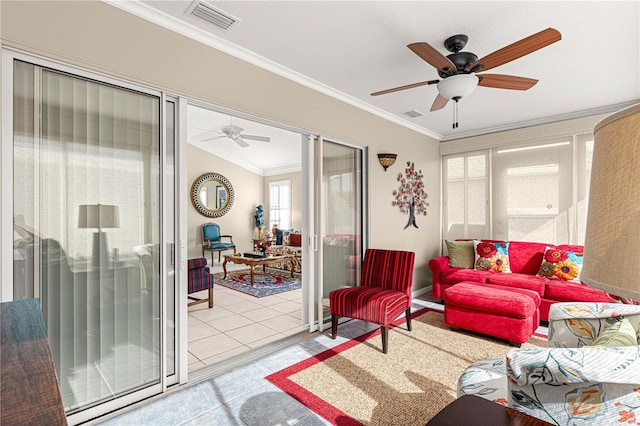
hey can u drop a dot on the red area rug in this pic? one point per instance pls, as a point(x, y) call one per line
point(265, 283)
point(355, 383)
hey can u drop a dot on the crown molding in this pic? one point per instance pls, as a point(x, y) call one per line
point(292, 168)
point(171, 23)
point(540, 121)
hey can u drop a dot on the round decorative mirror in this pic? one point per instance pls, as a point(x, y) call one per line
point(212, 195)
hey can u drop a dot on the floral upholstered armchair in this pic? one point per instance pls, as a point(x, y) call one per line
point(589, 374)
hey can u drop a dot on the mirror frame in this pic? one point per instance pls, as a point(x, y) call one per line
point(197, 187)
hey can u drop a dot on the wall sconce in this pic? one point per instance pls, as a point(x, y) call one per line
point(387, 160)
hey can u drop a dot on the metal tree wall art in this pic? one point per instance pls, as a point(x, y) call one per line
point(411, 197)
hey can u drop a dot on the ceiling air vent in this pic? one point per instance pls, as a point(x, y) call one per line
point(413, 113)
point(212, 14)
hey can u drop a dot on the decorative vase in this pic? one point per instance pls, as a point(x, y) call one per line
point(260, 232)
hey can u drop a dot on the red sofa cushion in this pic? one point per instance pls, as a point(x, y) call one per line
point(528, 282)
point(564, 291)
point(509, 302)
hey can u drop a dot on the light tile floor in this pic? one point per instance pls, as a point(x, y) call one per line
point(239, 322)
point(242, 396)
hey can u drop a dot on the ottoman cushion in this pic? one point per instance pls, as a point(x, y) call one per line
point(494, 299)
point(499, 311)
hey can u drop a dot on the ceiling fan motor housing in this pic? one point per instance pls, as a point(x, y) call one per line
point(462, 61)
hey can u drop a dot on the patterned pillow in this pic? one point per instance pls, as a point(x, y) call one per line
point(490, 256)
point(619, 334)
point(561, 265)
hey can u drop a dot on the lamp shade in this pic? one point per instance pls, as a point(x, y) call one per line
point(98, 216)
point(457, 86)
point(612, 243)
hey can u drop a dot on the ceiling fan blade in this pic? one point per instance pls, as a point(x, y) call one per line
point(501, 81)
point(215, 137)
point(439, 103)
point(408, 86)
point(432, 56)
point(518, 49)
point(256, 138)
point(241, 142)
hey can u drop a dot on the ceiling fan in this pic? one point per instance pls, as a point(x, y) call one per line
point(235, 134)
point(459, 70)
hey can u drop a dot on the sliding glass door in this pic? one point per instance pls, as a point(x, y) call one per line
point(89, 239)
point(342, 202)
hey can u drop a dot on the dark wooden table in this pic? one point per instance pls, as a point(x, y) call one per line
point(29, 393)
point(471, 410)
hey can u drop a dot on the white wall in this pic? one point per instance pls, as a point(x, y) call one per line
point(100, 37)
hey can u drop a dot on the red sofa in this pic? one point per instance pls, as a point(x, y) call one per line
point(525, 259)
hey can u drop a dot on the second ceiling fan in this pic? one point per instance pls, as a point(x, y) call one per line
point(459, 70)
point(235, 134)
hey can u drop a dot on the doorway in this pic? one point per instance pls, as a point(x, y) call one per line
point(263, 164)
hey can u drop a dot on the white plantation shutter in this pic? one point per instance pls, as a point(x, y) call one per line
point(537, 191)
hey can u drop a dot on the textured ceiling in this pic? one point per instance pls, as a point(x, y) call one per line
point(353, 48)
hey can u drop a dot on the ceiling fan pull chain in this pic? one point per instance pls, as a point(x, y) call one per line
point(455, 114)
point(453, 125)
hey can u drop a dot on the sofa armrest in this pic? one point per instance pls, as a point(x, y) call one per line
point(437, 264)
point(575, 386)
point(576, 324)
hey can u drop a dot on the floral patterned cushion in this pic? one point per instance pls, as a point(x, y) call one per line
point(285, 265)
point(568, 383)
point(619, 334)
point(487, 379)
point(578, 324)
point(575, 387)
point(491, 256)
point(560, 264)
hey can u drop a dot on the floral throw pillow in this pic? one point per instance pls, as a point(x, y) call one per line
point(561, 265)
point(491, 256)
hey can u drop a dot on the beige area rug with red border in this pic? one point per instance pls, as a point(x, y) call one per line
point(355, 383)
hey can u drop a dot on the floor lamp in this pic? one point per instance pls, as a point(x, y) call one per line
point(612, 243)
point(100, 216)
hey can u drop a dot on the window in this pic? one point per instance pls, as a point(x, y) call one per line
point(280, 204)
point(465, 196)
point(538, 192)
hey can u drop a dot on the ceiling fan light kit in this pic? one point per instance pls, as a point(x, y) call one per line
point(458, 70)
point(457, 86)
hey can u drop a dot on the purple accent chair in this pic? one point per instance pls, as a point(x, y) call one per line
point(200, 279)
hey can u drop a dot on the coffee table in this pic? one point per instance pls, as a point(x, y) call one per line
point(257, 261)
point(473, 410)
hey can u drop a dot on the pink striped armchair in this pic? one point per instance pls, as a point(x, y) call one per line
point(383, 295)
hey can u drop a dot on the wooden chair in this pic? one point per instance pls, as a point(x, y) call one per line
point(383, 295)
point(212, 240)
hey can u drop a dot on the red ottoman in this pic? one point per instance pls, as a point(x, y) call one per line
point(505, 312)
